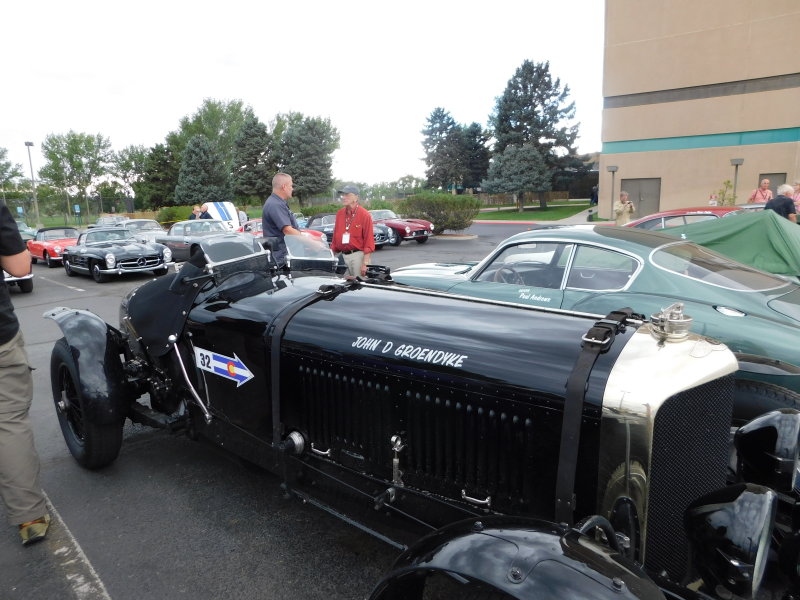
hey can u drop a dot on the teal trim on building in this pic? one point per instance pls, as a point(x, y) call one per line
point(715, 140)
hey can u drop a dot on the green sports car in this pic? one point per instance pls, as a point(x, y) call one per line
point(600, 268)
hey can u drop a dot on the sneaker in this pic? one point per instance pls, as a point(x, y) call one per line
point(35, 530)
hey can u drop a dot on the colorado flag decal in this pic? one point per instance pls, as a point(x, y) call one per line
point(224, 366)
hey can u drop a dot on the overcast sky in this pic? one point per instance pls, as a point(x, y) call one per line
point(131, 70)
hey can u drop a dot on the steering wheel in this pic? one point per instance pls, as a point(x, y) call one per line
point(508, 274)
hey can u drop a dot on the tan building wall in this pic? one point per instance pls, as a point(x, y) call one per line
point(690, 85)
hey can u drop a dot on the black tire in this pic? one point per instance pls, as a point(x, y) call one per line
point(378, 246)
point(93, 446)
point(68, 269)
point(396, 240)
point(421, 240)
point(50, 262)
point(754, 398)
point(160, 272)
point(97, 273)
point(34, 260)
point(25, 285)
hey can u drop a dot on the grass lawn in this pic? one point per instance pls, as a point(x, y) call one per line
point(534, 213)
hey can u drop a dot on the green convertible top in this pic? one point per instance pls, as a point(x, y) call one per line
point(762, 239)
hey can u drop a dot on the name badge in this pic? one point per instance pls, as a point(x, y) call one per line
point(346, 237)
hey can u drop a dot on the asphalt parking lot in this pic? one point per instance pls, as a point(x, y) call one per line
point(173, 518)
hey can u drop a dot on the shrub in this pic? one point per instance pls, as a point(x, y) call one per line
point(445, 211)
point(170, 214)
point(319, 208)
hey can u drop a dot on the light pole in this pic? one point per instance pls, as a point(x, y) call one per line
point(612, 169)
point(736, 162)
point(33, 183)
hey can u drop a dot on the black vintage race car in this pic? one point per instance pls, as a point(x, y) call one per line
point(105, 251)
point(509, 452)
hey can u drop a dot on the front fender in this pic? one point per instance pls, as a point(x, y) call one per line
point(524, 558)
point(97, 349)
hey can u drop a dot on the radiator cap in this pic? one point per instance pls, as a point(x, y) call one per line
point(671, 324)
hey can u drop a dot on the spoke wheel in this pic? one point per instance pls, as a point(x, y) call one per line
point(396, 240)
point(50, 262)
point(92, 445)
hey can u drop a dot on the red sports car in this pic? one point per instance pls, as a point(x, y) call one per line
point(49, 242)
point(254, 227)
point(418, 230)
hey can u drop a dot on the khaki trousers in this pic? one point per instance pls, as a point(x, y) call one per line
point(19, 462)
point(354, 260)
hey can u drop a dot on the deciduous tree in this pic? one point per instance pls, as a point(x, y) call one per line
point(8, 171)
point(74, 161)
point(129, 167)
point(157, 186)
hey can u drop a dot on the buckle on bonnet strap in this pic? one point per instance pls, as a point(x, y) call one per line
point(597, 341)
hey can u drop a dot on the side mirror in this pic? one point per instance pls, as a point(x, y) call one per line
point(729, 531)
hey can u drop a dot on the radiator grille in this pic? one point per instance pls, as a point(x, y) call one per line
point(139, 263)
point(482, 445)
point(690, 454)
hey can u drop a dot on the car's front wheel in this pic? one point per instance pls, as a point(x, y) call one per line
point(92, 445)
point(160, 272)
point(421, 240)
point(25, 285)
point(395, 240)
point(97, 273)
point(754, 398)
point(68, 268)
point(34, 260)
point(50, 262)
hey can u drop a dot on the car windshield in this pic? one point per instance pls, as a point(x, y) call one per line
point(144, 226)
point(93, 237)
point(198, 226)
point(328, 220)
point(383, 214)
point(59, 234)
point(305, 246)
point(702, 264)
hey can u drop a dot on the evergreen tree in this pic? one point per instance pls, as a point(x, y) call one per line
point(534, 110)
point(444, 150)
point(203, 176)
point(157, 186)
point(306, 153)
point(251, 174)
point(476, 155)
point(518, 169)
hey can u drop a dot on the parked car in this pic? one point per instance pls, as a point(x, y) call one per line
point(144, 230)
point(596, 268)
point(301, 219)
point(183, 238)
point(105, 251)
point(49, 242)
point(762, 239)
point(26, 232)
point(418, 230)
point(683, 216)
point(450, 430)
point(325, 222)
point(24, 283)
point(255, 227)
point(108, 221)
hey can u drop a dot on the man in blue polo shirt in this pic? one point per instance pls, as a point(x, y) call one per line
point(276, 218)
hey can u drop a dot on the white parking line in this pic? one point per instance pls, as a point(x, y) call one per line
point(69, 556)
point(71, 287)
